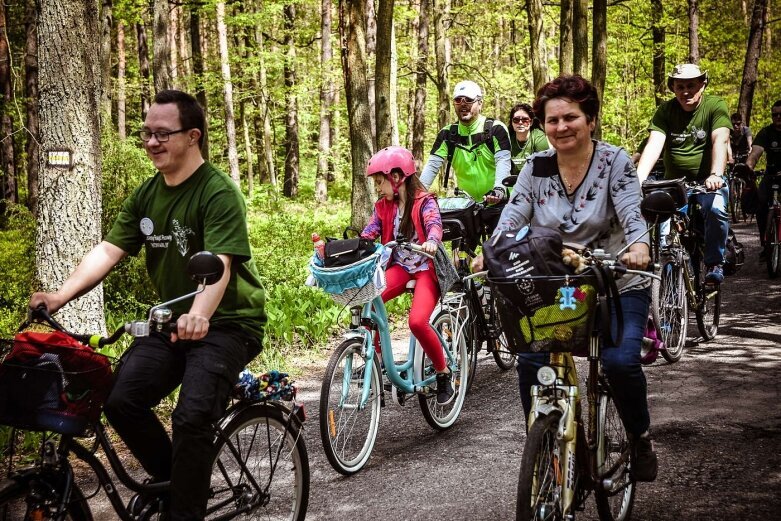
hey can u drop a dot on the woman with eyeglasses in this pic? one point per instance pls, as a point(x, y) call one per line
point(529, 137)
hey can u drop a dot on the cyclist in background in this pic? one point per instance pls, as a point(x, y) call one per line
point(528, 137)
point(477, 148)
point(692, 130)
point(406, 209)
point(740, 140)
point(769, 141)
point(187, 207)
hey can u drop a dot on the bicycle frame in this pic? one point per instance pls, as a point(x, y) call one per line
point(374, 317)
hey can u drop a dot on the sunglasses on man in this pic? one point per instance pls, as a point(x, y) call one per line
point(463, 100)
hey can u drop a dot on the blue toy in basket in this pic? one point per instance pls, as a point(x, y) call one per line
point(353, 284)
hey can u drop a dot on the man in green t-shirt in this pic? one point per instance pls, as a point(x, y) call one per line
point(693, 131)
point(479, 150)
point(186, 207)
point(768, 141)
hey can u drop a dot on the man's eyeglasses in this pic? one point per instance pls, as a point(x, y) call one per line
point(519, 119)
point(463, 100)
point(161, 135)
point(775, 115)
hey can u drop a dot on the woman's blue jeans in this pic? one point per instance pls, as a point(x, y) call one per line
point(621, 364)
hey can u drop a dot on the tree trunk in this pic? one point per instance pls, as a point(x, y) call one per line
point(353, 48)
point(371, 49)
point(200, 89)
point(290, 185)
point(565, 37)
point(248, 151)
point(412, 32)
point(753, 52)
point(31, 92)
point(658, 30)
point(268, 152)
point(161, 55)
point(382, 74)
point(173, 32)
point(394, 89)
point(106, 23)
point(326, 102)
point(70, 205)
point(442, 50)
point(419, 112)
point(121, 84)
point(143, 67)
point(537, 48)
point(227, 92)
point(599, 56)
point(694, 27)
point(580, 37)
point(7, 164)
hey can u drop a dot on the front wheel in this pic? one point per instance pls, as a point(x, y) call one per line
point(504, 359)
point(668, 298)
point(443, 416)
point(773, 246)
point(31, 499)
point(708, 309)
point(540, 479)
point(735, 204)
point(348, 425)
point(261, 466)
point(615, 490)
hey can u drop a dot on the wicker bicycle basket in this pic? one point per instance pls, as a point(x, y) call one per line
point(546, 314)
point(50, 387)
point(354, 284)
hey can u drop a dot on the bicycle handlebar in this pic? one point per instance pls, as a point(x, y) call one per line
point(408, 246)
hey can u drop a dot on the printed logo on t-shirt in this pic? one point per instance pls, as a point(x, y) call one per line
point(697, 135)
point(147, 226)
point(180, 237)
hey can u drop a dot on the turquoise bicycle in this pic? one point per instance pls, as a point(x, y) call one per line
point(353, 392)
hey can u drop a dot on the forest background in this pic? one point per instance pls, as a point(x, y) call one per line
point(298, 94)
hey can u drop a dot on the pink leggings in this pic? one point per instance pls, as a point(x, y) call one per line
point(423, 302)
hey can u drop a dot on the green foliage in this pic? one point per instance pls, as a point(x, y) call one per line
point(17, 251)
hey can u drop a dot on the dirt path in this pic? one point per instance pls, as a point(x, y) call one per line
point(715, 417)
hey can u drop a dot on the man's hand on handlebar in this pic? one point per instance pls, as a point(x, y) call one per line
point(496, 196)
point(51, 301)
point(190, 327)
point(477, 263)
point(637, 258)
point(714, 182)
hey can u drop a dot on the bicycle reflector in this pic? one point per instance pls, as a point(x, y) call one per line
point(546, 375)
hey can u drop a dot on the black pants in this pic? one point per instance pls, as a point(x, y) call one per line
point(148, 372)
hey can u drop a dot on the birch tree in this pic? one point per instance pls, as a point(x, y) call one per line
point(326, 102)
point(227, 94)
point(70, 198)
point(121, 83)
point(290, 185)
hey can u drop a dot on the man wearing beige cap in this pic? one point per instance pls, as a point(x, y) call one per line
point(693, 131)
point(477, 148)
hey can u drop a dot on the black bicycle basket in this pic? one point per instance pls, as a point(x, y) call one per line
point(459, 220)
point(546, 313)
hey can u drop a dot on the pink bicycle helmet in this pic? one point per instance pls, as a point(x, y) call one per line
point(389, 159)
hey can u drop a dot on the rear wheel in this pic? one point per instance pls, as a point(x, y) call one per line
point(708, 309)
point(347, 429)
point(504, 359)
point(615, 491)
point(669, 300)
point(735, 204)
point(773, 246)
point(539, 485)
point(443, 416)
point(33, 500)
point(274, 481)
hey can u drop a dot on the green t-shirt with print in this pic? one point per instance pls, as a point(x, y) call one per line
point(769, 138)
point(535, 142)
point(687, 149)
point(204, 213)
point(474, 166)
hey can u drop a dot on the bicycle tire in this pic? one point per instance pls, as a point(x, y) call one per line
point(735, 204)
point(348, 444)
point(708, 310)
point(612, 443)
point(503, 358)
point(473, 348)
point(441, 417)
point(538, 489)
point(668, 298)
point(14, 494)
point(272, 448)
point(773, 246)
